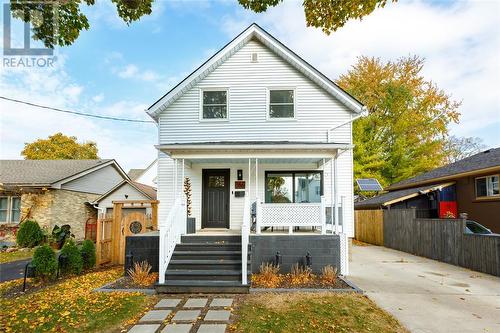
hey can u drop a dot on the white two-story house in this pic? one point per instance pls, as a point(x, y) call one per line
point(266, 142)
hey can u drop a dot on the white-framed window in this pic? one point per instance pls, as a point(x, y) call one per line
point(10, 209)
point(487, 186)
point(214, 104)
point(281, 103)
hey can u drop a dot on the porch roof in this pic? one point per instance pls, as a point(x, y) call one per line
point(295, 151)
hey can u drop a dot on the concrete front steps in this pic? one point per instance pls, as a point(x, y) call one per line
point(205, 264)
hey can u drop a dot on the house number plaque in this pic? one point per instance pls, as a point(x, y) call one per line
point(239, 185)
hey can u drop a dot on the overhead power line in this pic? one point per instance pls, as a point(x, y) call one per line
point(76, 112)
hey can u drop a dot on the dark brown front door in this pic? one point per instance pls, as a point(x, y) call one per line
point(215, 203)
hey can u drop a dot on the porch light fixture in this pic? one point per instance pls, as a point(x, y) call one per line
point(240, 174)
point(278, 259)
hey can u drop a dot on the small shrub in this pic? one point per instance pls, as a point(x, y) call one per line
point(74, 264)
point(88, 254)
point(45, 262)
point(301, 275)
point(268, 276)
point(328, 275)
point(141, 275)
point(29, 234)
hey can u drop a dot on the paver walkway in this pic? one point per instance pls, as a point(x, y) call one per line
point(187, 314)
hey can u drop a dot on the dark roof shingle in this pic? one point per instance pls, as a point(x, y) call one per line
point(486, 159)
point(42, 172)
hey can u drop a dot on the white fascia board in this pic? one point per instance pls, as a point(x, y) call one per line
point(247, 147)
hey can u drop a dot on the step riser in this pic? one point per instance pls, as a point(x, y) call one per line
point(206, 256)
point(195, 266)
point(205, 277)
point(207, 247)
point(211, 239)
point(201, 290)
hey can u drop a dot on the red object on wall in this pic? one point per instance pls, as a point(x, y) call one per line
point(448, 209)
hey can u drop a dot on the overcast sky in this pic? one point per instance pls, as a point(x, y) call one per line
point(117, 70)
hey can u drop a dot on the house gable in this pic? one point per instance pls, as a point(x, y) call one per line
point(248, 84)
point(98, 181)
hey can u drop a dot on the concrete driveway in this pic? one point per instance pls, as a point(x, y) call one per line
point(427, 295)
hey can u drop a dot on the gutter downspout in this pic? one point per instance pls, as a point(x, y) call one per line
point(363, 111)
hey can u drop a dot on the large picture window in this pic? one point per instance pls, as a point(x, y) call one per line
point(281, 103)
point(214, 104)
point(487, 186)
point(294, 186)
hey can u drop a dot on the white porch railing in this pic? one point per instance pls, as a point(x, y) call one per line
point(170, 234)
point(291, 215)
point(245, 235)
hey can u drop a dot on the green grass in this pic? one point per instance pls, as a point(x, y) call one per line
point(16, 255)
point(71, 306)
point(320, 312)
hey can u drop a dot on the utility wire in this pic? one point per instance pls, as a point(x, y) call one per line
point(76, 112)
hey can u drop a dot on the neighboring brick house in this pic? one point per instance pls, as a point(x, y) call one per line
point(467, 186)
point(53, 192)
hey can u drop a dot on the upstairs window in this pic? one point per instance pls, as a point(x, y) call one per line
point(214, 104)
point(282, 103)
point(487, 186)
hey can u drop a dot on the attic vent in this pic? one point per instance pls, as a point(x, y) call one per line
point(255, 57)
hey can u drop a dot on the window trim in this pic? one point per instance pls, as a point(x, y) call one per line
point(486, 197)
point(9, 209)
point(200, 111)
point(293, 172)
point(268, 104)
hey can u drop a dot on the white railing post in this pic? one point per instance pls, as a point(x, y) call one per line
point(336, 194)
point(323, 215)
point(342, 212)
point(245, 235)
point(258, 217)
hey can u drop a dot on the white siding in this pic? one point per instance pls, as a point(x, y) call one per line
point(119, 194)
point(316, 110)
point(99, 181)
point(149, 176)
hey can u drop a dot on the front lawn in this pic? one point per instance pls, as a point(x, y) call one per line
point(71, 306)
point(319, 312)
point(15, 255)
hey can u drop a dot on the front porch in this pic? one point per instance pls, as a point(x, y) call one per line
point(256, 191)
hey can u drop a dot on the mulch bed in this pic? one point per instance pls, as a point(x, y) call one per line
point(315, 283)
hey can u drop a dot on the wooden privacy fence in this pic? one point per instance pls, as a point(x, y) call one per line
point(441, 239)
point(104, 234)
point(112, 229)
point(369, 226)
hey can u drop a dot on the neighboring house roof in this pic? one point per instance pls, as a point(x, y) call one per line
point(147, 190)
point(393, 197)
point(254, 31)
point(135, 173)
point(484, 161)
point(48, 172)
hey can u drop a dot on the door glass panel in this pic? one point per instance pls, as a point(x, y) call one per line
point(279, 188)
point(216, 181)
point(307, 187)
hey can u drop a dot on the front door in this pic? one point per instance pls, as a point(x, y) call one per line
point(215, 203)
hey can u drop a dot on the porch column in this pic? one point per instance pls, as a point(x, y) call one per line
point(175, 179)
point(336, 198)
point(258, 210)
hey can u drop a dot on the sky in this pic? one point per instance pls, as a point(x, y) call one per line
point(119, 70)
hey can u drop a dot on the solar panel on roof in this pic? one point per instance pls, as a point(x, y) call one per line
point(369, 184)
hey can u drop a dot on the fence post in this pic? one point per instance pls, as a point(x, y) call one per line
point(98, 237)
